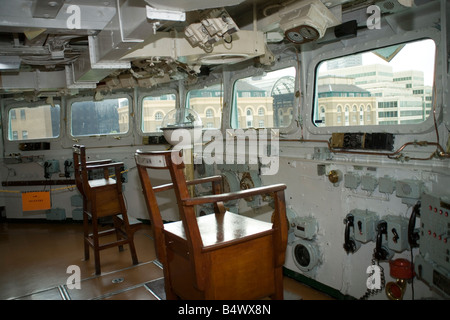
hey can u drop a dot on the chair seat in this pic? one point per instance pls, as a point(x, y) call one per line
point(218, 230)
point(101, 182)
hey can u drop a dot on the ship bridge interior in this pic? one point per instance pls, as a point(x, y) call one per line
point(345, 103)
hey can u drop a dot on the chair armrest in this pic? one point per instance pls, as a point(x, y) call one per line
point(224, 197)
point(96, 162)
point(169, 186)
point(104, 165)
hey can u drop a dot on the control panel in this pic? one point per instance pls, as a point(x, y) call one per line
point(432, 264)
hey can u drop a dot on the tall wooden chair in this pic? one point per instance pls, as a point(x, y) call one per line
point(216, 256)
point(102, 197)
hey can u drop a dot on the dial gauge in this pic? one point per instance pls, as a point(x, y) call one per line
point(302, 34)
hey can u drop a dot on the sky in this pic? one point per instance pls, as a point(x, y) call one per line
point(414, 56)
point(419, 55)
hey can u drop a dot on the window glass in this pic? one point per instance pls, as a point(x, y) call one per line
point(38, 122)
point(391, 85)
point(207, 102)
point(109, 116)
point(264, 101)
point(154, 108)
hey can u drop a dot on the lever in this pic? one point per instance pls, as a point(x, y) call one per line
point(396, 236)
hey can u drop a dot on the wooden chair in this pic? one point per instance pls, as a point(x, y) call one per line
point(102, 198)
point(216, 256)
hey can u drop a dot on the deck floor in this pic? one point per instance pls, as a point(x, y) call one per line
point(34, 261)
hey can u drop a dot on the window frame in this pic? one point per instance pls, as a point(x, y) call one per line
point(19, 105)
point(329, 54)
point(109, 140)
point(220, 112)
point(70, 102)
point(249, 72)
point(140, 117)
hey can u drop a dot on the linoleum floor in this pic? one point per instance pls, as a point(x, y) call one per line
point(37, 262)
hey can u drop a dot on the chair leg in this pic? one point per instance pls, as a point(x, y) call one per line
point(96, 246)
point(170, 294)
point(278, 294)
point(130, 236)
point(117, 226)
point(86, 235)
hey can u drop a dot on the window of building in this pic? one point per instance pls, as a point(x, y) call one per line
point(37, 122)
point(390, 78)
point(105, 117)
point(271, 95)
point(207, 102)
point(154, 108)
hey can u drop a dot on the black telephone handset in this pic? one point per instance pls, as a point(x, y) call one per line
point(67, 165)
point(413, 235)
point(349, 243)
point(380, 253)
point(47, 165)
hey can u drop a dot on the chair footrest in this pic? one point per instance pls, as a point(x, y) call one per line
point(133, 222)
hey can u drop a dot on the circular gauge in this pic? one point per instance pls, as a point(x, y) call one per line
point(306, 254)
point(295, 36)
point(309, 32)
point(302, 256)
point(302, 34)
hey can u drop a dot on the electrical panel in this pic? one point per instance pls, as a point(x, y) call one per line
point(386, 185)
point(409, 188)
point(369, 182)
point(50, 167)
point(432, 264)
point(77, 214)
point(397, 233)
point(56, 214)
point(305, 227)
point(351, 180)
point(76, 200)
point(364, 225)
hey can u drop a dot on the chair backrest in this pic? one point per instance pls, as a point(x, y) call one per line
point(79, 165)
point(102, 196)
point(172, 161)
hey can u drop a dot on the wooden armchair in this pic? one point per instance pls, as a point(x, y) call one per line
point(102, 198)
point(216, 256)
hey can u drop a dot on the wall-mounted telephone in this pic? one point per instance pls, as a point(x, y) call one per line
point(47, 166)
point(67, 165)
point(381, 252)
point(350, 245)
point(413, 234)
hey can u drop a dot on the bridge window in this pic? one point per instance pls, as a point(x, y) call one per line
point(397, 81)
point(154, 108)
point(271, 95)
point(207, 102)
point(37, 122)
point(105, 117)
